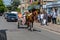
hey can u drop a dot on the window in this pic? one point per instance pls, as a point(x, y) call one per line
point(35, 0)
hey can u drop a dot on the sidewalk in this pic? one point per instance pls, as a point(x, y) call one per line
point(51, 27)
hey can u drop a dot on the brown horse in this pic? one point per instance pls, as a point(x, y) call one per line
point(30, 19)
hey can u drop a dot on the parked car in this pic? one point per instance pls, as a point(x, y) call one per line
point(1, 14)
point(5, 15)
point(14, 12)
point(12, 17)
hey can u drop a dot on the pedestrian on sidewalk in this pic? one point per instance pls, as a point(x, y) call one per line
point(41, 18)
point(49, 17)
point(54, 16)
point(45, 19)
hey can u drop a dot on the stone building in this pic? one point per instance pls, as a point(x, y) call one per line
point(24, 5)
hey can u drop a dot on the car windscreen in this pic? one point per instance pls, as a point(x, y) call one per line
point(11, 14)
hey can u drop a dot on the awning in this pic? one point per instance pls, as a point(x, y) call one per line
point(37, 6)
point(44, 6)
point(57, 4)
point(34, 6)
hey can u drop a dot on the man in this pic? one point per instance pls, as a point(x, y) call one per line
point(19, 19)
point(41, 17)
point(54, 16)
point(19, 15)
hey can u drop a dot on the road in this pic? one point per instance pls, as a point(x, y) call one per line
point(13, 33)
point(7, 25)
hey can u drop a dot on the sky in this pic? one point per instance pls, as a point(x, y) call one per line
point(7, 2)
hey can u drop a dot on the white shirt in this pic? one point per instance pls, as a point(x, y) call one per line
point(54, 15)
point(38, 16)
point(41, 16)
point(44, 21)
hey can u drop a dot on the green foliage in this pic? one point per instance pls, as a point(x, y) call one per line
point(1, 2)
point(14, 5)
point(6, 9)
point(18, 10)
point(2, 7)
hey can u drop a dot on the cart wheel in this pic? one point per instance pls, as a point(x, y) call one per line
point(18, 25)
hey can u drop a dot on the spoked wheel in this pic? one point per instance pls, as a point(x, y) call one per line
point(18, 25)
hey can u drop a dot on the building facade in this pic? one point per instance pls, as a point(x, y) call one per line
point(24, 5)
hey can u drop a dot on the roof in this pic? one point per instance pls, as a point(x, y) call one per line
point(14, 12)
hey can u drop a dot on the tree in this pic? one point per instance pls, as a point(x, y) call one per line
point(18, 10)
point(2, 7)
point(15, 4)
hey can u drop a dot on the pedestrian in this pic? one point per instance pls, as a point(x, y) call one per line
point(45, 19)
point(41, 18)
point(49, 17)
point(54, 16)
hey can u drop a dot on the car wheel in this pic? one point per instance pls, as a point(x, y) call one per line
point(7, 20)
point(15, 20)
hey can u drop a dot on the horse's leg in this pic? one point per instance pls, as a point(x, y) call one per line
point(28, 25)
point(31, 26)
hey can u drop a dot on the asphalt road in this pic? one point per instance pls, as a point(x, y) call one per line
point(7, 25)
point(13, 33)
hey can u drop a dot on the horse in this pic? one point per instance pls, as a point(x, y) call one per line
point(30, 20)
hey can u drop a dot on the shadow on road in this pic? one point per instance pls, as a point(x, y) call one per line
point(36, 30)
point(29, 30)
point(22, 27)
